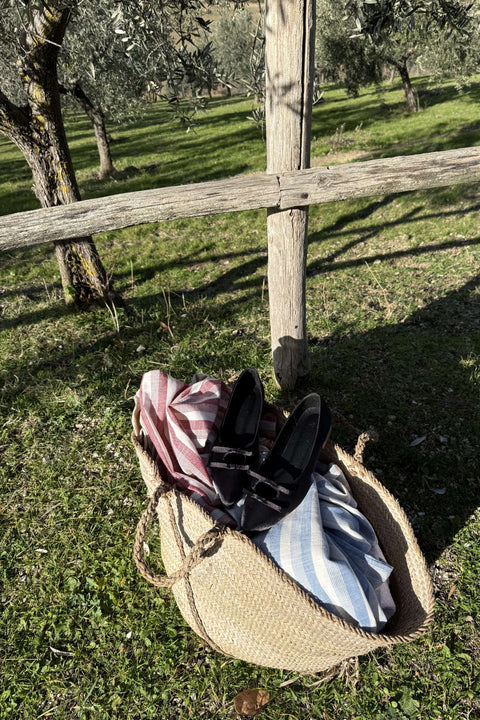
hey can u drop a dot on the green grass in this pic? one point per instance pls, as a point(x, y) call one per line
point(394, 330)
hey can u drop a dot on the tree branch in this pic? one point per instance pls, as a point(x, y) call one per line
point(45, 32)
point(13, 119)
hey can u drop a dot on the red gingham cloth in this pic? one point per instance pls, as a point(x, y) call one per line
point(183, 421)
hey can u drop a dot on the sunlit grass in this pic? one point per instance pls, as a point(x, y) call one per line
point(393, 311)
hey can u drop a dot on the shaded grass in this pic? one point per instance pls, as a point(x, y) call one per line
point(394, 329)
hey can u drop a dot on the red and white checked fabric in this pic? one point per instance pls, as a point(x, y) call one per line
point(183, 421)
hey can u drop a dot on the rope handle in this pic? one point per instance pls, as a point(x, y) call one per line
point(362, 437)
point(205, 543)
point(137, 427)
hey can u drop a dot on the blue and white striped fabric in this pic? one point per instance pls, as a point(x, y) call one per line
point(329, 548)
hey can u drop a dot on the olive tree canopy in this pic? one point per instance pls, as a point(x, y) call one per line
point(357, 39)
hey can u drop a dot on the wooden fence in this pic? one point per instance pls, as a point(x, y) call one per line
point(286, 190)
point(299, 188)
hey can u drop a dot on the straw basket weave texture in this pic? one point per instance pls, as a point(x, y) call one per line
point(244, 606)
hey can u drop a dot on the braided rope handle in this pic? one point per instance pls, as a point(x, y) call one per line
point(206, 542)
point(362, 437)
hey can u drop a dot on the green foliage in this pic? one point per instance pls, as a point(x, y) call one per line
point(339, 56)
point(117, 51)
point(356, 41)
point(379, 17)
point(239, 48)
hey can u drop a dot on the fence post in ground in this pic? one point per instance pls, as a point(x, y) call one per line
point(289, 48)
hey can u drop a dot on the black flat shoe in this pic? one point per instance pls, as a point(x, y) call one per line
point(237, 442)
point(283, 479)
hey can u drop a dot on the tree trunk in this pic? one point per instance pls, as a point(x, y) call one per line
point(289, 43)
point(38, 131)
point(97, 119)
point(83, 276)
point(411, 97)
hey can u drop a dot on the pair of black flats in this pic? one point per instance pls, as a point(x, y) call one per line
point(275, 486)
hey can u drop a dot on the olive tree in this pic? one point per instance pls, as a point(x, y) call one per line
point(402, 31)
point(32, 35)
point(115, 53)
point(238, 46)
point(361, 38)
point(377, 18)
point(339, 55)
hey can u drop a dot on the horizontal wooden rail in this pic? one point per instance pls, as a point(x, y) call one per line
point(245, 192)
point(380, 177)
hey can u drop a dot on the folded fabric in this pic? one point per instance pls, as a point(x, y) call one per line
point(182, 421)
point(326, 545)
point(329, 548)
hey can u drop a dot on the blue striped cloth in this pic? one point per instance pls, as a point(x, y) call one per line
point(329, 548)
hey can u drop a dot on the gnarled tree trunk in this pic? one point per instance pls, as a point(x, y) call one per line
point(411, 97)
point(97, 118)
point(38, 130)
point(81, 270)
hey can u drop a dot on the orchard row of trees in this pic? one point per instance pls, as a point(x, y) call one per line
point(360, 42)
point(108, 55)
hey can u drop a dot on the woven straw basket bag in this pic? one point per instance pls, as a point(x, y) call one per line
point(240, 602)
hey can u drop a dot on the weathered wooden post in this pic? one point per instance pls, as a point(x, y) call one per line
point(289, 50)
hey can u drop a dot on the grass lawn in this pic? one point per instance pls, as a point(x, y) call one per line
point(394, 330)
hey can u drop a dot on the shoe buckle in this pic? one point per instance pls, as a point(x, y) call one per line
point(261, 484)
point(231, 458)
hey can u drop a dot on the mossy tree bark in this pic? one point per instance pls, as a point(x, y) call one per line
point(38, 131)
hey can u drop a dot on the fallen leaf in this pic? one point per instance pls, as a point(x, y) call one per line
point(251, 702)
point(451, 591)
point(440, 491)
point(62, 653)
point(418, 440)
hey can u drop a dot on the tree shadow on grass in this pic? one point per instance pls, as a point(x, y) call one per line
point(417, 383)
point(329, 265)
point(343, 227)
point(235, 277)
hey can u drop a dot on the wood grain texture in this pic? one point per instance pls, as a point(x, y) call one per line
point(289, 44)
point(379, 177)
point(286, 190)
point(247, 192)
